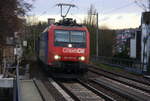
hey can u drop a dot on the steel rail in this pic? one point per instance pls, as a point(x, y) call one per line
point(124, 94)
point(121, 81)
point(93, 66)
point(99, 93)
point(68, 91)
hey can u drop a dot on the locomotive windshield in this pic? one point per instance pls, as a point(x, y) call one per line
point(69, 36)
point(77, 36)
point(63, 37)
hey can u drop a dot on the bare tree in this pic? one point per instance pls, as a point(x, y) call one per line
point(106, 36)
point(11, 13)
point(91, 17)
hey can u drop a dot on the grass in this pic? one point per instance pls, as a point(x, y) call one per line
point(114, 69)
point(111, 68)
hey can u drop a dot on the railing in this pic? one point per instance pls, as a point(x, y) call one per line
point(18, 83)
point(130, 65)
point(17, 96)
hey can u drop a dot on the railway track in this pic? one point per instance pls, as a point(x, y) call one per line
point(142, 81)
point(80, 91)
point(123, 90)
point(69, 91)
point(128, 88)
point(59, 93)
point(99, 88)
point(134, 84)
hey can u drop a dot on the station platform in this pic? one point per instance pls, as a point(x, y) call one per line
point(6, 82)
point(28, 91)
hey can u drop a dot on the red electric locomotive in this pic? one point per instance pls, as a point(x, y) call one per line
point(64, 47)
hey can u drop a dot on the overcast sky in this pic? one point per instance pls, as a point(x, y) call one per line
point(112, 13)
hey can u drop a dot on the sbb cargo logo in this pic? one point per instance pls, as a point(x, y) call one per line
point(68, 50)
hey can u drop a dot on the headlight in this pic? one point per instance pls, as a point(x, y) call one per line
point(82, 58)
point(69, 45)
point(57, 57)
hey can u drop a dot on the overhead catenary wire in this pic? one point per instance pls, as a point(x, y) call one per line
point(141, 5)
point(119, 8)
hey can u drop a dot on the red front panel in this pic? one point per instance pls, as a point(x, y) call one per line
point(66, 53)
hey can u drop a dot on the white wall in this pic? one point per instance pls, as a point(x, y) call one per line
point(133, 48)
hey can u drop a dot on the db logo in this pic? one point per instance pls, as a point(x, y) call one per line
point(68, 50)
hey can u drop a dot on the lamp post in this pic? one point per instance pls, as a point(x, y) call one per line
point(97, 48)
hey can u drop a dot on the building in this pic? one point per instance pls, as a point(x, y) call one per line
point(135, 45)
point(8, 49)
point(123, 40)
point(145, 40)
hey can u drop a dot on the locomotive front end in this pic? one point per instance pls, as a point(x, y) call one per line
point(70, 50)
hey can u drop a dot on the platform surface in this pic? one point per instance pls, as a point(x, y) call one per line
point(6, 82)
point(29, 91)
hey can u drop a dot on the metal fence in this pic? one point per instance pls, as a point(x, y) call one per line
point(130, 65)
